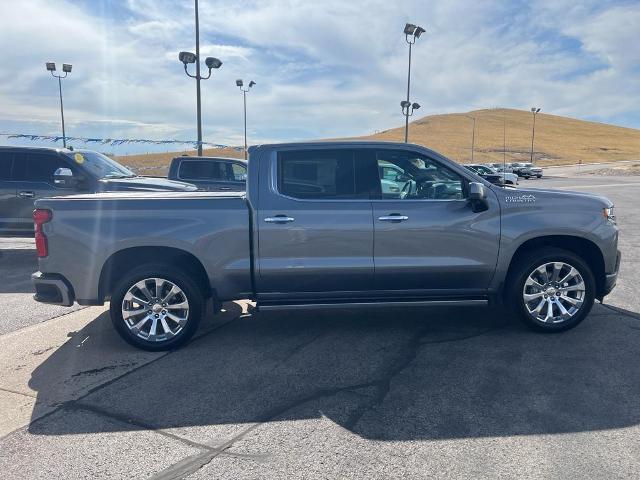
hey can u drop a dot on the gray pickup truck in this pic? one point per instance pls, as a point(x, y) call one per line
point(315, 229)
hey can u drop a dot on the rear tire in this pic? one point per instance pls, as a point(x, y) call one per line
point(551, 289)
point(163, 307)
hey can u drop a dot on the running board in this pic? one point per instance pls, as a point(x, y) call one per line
point(396, 303)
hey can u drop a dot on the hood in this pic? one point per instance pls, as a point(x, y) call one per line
point(558, 199)
point(144, 184)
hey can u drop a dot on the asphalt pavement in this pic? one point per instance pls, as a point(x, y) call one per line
point(416, 393)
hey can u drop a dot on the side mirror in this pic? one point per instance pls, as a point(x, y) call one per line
point(63, 178)
point(477, 197)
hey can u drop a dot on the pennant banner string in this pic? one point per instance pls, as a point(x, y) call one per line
point(112, 141)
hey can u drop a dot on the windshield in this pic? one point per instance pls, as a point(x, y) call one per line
point(100, 165)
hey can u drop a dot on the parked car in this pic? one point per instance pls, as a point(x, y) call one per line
point(521, 170)
point(213, 174)
point(30, 173)
point(485, 171)
point(500, 167)
point(449, 238)
point(535, 171)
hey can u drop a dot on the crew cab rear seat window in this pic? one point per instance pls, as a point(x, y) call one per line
point(327, 174)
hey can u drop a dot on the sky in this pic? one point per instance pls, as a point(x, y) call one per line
point(323, 68)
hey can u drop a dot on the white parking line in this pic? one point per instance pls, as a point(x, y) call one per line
point(602, 185)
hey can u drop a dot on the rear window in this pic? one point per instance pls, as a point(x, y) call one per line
point(203, 170)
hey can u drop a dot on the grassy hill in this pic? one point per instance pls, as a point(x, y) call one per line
point(558, 140)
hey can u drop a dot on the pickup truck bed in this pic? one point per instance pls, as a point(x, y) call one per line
point(210, 226)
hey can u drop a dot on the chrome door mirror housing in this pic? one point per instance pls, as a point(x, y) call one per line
point(477, 197)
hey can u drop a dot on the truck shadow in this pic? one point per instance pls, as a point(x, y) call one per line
point(421, 374)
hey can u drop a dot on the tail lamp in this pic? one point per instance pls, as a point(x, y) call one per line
point(40, 217)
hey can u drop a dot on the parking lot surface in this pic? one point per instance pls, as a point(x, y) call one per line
point(417, 393)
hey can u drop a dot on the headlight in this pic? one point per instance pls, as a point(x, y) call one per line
point(608, 214)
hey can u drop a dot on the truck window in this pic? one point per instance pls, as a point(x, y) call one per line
point(36, 167)
point(202, 170)
point(5, 166)
point(239, 172)
point(325, 174)
point(417, 178)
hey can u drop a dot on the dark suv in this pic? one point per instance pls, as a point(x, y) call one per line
point(29, 173)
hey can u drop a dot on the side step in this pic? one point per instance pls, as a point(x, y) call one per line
point(365, 304)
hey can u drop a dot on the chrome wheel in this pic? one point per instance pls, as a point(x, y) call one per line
point(554, 292)
point(155, 309)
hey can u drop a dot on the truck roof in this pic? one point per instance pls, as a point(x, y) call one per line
point(342, 143)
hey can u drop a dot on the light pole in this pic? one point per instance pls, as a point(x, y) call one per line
point(407, 111)
point(534, 110)
point(473, 135)
point(411, 34)
point(66, 68)
point(240, 83)
point(210, 62)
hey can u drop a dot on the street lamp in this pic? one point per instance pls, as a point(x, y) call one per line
point(473, 135)
point(411, 34)
point(211, 63)
point(66, 69)
point(407, 111)
point(534, 110)
point(240, 84)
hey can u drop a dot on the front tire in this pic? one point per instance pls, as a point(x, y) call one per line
point(552, 289)
point(154, 307)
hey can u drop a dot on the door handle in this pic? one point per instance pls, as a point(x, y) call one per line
point(26, 194)
point(279, 219)
point(394, 217)
point(225, 188)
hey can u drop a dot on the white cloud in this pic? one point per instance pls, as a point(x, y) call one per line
point(323, 69)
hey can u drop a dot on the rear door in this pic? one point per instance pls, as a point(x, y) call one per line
point(315, 228)
point(427, 239)
point(32, 176)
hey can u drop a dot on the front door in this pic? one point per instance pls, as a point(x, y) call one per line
point(32, 176)
point(315, 225)
point(427, 239)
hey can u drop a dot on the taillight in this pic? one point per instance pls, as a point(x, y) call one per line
point(40, 217)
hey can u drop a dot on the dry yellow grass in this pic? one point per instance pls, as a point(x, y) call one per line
point(558, 140)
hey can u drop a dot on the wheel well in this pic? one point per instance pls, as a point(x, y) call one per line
point(586, 249)
point(125, 260)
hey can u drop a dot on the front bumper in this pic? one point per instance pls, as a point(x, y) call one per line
point(52, 288)
point(610, 279)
